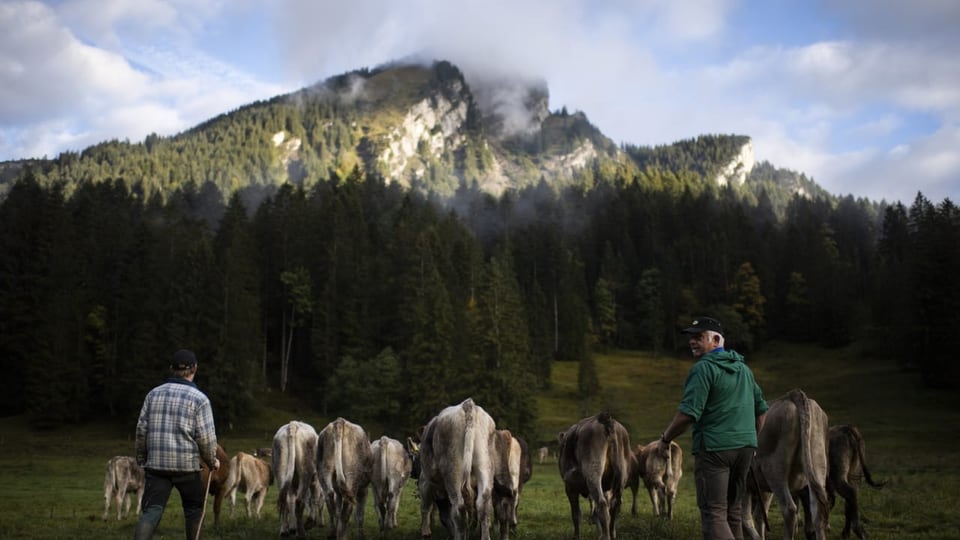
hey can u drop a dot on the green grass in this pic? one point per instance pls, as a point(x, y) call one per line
point(52, 481)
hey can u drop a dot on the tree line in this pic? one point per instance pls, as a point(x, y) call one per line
point(379, 303)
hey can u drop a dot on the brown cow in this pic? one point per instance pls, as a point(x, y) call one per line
point(847, 466)
point(253, 476)
point(123, 477)
point(791, 462)
point(595, 461)
point(456, 469)
point(344, 466)
point(513, 467)
point(660, 467)
point(218, 483)
point(294, 463)
point(392, 466)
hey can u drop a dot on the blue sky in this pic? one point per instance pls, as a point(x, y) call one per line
point(863, 96)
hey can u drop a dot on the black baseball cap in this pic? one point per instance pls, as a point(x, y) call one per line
point(702, 324)
point(183, 359)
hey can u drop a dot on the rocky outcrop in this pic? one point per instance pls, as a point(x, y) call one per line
point(739, 167)
point(432, 125)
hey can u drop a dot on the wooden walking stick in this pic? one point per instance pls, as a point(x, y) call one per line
point(206, 495)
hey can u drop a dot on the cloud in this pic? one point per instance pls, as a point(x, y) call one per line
point(875, 92)
point(59, 92)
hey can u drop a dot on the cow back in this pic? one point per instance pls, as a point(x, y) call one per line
point(344, 458)
point(596, 449)
point(792, 451)
point(392, 465)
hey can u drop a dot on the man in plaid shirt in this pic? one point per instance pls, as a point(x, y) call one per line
point(175, 431)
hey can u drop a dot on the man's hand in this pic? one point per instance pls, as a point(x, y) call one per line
point(216, 463)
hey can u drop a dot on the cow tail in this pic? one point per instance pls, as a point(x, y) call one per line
point(288, 458)
point(338, 456)
point(861, 452)
point(468, 441)
point(384, 475)
point(619, 478)
point(233, 477)
point(806, 430)
point(669, 473)
point(110, 479)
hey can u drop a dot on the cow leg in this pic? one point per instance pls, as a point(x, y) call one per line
point(851, 510)
point(107, 495)
point(574, 499)
point(359, 509)
point(615, 502)
point(788, 508)
point(391, 508)
point(248, 497)
point(601, 510)
point(118, 498)
point(217, 503)
point(671, 496)
point(654, 499)
point(260, 500)
point(140, 497)
point(232, 495)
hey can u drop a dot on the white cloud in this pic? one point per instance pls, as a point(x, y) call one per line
point(844, 109)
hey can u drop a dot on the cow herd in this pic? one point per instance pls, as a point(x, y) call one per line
point(470, 474)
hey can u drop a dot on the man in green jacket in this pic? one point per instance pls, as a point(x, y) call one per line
point(725, 405)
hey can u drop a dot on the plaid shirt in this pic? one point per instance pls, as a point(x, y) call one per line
point(176, 428)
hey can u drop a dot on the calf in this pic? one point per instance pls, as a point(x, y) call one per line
point(264, 452)
point(344, 465)
point(253, 476)
point(294, 463)
point(660, 466)
point(595, 462)
point(791, 462)
point(512, 469)
point(847, 466)
point(124, 477)
point(457, 469)
point(392, 465)
point(218, 483)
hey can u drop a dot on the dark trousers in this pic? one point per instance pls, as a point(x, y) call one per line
point(156, 492)
point(721, 479)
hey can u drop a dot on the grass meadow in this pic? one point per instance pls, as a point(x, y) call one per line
point(52, 481)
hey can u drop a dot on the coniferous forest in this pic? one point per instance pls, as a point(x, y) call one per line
point(372, 301)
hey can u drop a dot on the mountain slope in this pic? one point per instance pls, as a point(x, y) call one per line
point(422, 127)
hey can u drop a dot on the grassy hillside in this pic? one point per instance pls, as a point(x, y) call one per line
point(53, 481)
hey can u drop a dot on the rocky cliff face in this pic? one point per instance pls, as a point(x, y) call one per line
point(431, 126)
point(739, 167)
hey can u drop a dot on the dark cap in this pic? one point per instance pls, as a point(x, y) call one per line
point(183, 359)
point(702, 324)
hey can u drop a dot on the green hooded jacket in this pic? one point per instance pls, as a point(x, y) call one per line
point(724, 400)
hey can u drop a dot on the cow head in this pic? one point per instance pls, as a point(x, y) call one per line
point(413, 450)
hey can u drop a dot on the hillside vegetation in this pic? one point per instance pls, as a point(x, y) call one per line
point(53, 480)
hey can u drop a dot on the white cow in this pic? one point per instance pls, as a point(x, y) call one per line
point(124, 477)
point(791, 463)
point(253, 476)
point(513, 467)
point(344, 465)
point(392, 465)
point(294, 463)
point(660, 466)
point(595, 461)
point(457, 469)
